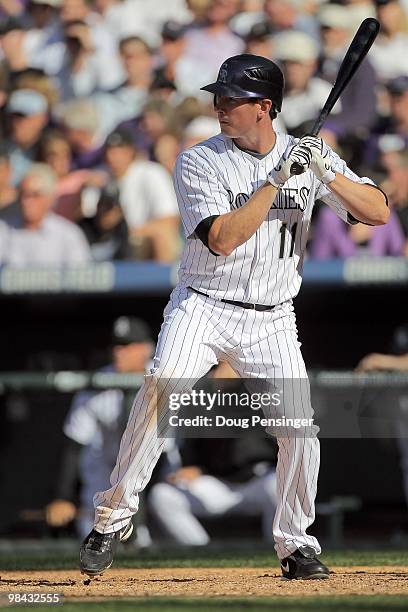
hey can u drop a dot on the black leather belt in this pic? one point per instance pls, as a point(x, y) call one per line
point(260, 307)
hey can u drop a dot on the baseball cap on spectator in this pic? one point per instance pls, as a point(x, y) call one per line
point(27, 102)
point(259, 31)
point(130, 329)
point(296, 47)
point(160, 81)
point(109, 197)
point(120, 138)
point(173, 30)
point(334, 16)
point(398, 86)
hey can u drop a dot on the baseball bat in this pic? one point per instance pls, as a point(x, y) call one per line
point(358, 49)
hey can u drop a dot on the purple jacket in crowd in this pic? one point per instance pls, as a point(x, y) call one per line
point(332, 238)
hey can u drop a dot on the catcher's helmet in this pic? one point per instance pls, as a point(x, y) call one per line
point(249, 76)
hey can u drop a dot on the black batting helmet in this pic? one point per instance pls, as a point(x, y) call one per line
point(249, 76)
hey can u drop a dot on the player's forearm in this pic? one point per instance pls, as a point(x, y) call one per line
point(364, 202)
point(232, 229)
point(398, 362)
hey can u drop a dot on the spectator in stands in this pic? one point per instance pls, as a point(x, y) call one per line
point(209, 44)
point(123, 105)
point(142, 18)
point(251, 13)
point(305, 94)
point(55, 151)
point(93, 428)
point(12, 38)
point(351, 126)
point(42, 29)
point(82, 71)
point(137, 61)
point(176, 66)
point(286, 15)
point(107, 231)
point(146, 196)
point(157, 118)
point(36, 236)
point(389, 53)
point(259, 40)
point(8, 193)
point(37, 80)
point(395, 124)
point(105, 56)
point(27, 112)
point(47, 48)
point(333, 238)
point(121, 18)
point(80, 121)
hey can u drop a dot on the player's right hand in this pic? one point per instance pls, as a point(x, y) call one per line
point(297, 153)
point(60, 512)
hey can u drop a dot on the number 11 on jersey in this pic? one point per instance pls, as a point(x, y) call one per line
point(283, 232)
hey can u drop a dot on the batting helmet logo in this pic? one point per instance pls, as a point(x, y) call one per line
point(223, 74)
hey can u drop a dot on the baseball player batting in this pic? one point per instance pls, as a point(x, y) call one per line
point(246, 221)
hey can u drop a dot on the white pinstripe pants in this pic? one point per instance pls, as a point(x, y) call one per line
point(197, 332)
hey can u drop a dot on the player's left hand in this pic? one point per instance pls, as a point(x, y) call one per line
point(321, 164)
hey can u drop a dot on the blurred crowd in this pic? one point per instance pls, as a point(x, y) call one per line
point(98, 97)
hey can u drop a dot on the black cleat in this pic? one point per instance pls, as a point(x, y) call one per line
point(96, 554)
point(303, 564)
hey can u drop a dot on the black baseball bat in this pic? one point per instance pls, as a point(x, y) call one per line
point(358, 49)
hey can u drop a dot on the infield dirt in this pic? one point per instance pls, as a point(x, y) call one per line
point(207, 582)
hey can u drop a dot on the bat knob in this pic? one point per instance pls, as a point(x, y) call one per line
point(296, 168)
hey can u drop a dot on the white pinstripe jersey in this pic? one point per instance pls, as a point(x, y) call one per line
point(215, 177)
